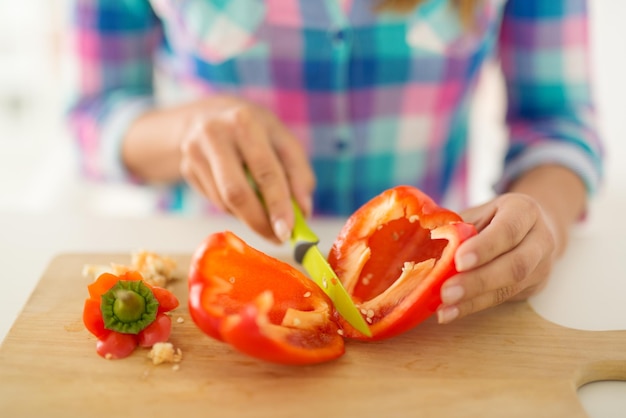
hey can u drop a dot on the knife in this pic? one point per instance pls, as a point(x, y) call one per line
point(306, 252)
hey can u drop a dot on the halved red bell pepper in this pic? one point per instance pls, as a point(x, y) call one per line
point(260, 305)
point(392, 255)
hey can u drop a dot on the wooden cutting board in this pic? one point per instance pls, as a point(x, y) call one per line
point(506, 361)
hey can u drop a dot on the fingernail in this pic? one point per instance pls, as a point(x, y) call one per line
point(448, 314)
point(452, 294)
point(465, 261)
point(281, 230)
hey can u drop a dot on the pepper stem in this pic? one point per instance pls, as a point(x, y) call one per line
point(128, 307)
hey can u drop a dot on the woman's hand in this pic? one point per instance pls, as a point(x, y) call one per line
point(520, 236)
point(509, 259)
point(218, 148)
point(217, 141)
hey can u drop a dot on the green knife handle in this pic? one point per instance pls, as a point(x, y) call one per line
point(302, 237)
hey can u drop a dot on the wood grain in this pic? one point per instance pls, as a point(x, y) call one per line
point(503, 362)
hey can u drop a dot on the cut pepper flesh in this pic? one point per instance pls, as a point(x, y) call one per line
point(393, 255)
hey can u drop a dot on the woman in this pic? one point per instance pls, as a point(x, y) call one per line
point(331, 102)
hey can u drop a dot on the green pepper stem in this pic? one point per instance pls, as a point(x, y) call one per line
point(128, 305)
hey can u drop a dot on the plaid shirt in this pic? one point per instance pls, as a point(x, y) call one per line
point(377, 99)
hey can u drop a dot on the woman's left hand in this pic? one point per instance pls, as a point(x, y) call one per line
point(509, 259)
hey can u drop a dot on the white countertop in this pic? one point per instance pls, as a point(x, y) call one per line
point(587, 290)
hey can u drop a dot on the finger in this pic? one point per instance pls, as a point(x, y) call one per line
point(447, 314)
point(254, 145)
point(514, 276)
point(232, 184)
point(208, 188)
point(512, 219)
point(195, 169)
point(506, 270)
point(512, 292)
point(297, 167)
point(479, 216)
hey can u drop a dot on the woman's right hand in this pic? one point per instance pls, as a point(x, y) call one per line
point(220, 140)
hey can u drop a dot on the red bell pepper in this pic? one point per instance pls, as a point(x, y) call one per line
point(124, 312)
point(260, 305)
point(392, 255)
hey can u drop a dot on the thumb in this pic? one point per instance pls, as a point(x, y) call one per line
point(479, 216)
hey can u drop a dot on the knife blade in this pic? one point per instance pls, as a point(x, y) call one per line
point(307, 253)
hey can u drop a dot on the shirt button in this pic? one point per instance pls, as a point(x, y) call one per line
point(341, 145)
point(338, 36)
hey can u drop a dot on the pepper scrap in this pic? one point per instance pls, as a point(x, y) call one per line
point(392, 255)
point(124, 312)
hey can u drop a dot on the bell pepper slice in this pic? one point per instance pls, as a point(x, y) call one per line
point(260, 305)
point(393, 255)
